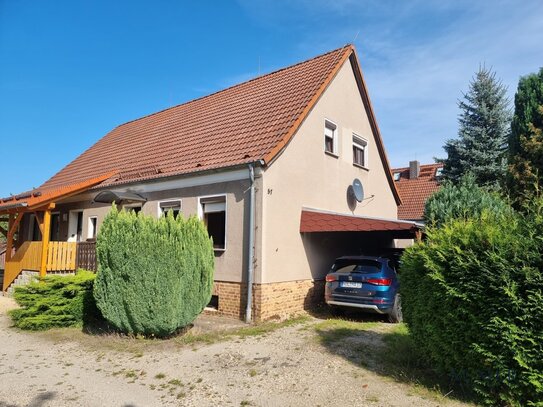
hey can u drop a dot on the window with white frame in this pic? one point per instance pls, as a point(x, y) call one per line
point(397, 176)
point(330, 137)
point(213, 212)
point(132, 207)
point(173, 205)
point(92, 227)
point(360, 151)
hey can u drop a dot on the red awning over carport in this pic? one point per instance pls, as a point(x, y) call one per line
point(314, 220)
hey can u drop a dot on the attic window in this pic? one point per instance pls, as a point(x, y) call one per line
point(397, 176)
point(330, 137)
point(439, 172)
point(360, 151)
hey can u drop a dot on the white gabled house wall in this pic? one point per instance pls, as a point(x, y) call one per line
point(304, 175)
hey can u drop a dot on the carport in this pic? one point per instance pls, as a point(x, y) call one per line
point(328, 235)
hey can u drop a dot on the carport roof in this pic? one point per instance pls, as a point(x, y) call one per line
point(314, 220)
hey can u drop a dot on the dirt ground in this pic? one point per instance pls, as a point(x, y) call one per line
point(284, 367)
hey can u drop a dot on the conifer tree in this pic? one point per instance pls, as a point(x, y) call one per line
point(483, 132)
point(525, 173)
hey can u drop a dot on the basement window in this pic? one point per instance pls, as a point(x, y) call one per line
point(360, 151)
point(330, 137)
point(165, 206)
point(213, 303)
point(213, 213)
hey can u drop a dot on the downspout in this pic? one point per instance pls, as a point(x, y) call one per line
point(250, 257)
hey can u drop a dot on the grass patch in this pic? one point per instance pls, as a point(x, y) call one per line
point(263, 328)
point(160, 376)
point(389, 351)
point(333, 331)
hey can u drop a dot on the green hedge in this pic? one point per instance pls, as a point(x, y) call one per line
point(154, 275)
point(56, 301)
point(472, 297)
point(463, 200)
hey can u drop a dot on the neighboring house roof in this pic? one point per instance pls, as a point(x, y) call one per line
point(414, 192)
point(249, 122)
point(314, 220)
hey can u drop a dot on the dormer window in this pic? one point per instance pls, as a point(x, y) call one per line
point(439, 172)
point(330, 137)
point(397, 176)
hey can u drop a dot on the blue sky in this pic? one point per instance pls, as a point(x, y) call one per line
point(70, 71)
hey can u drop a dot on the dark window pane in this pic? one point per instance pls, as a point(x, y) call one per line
point(216, 222)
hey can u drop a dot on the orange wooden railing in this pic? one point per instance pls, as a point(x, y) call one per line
point(27, 257)
point(61, 256)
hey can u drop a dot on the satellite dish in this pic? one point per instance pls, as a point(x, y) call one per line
point(358, 190)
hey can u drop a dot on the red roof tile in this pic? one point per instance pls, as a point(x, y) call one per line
point(320, 221)
point(415, 192)
point(248, 122)
point(238, 125)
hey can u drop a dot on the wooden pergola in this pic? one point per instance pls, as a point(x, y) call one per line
point(40, 203)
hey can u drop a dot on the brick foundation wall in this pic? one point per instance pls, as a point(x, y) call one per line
point(272, 300)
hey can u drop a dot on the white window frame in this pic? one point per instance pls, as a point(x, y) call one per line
point(362, 144)
point(397, 176)
point(160, 213)
point(201, 216)
point(328, 124)
point(95, 229)
point(72, 226)
point(127, 207)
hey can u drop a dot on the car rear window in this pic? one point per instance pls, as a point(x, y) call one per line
point(357, 266)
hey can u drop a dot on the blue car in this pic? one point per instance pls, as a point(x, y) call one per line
point(367, 283)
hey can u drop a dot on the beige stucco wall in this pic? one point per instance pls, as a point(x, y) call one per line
point(230, 264)
point(304, 175)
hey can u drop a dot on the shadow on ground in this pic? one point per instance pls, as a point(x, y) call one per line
point(369, 341)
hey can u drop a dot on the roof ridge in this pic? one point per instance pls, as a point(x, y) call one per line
point(236, 85)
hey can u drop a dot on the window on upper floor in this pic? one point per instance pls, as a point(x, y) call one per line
point(173, 205)
point(330, 137)
point(213, 213)
point(397, 176)
point(360, 151)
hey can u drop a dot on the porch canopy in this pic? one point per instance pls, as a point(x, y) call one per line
point(40, 202)
point(315, 221)
point(118, 197)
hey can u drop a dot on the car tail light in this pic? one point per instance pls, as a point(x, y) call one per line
point(330, 278)
point(379, 281)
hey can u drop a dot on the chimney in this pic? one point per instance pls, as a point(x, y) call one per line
point(414, 169)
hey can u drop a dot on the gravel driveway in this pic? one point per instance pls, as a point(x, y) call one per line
point(286, 367)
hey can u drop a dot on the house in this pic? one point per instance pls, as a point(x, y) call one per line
point(288, 171)
point(415, 184)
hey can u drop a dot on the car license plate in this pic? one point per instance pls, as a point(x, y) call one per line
point(350, 284)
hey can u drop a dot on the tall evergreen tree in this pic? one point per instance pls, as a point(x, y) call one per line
point(483, 132)
point(525, 174)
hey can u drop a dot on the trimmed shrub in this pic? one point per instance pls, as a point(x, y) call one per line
point(472, 297)
point(154, 275)
point(463, 200)
point(56, 301)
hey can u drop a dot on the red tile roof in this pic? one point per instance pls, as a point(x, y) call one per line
point(415, 192)
point(43, 196)
point(248, 122)
point(313, 220)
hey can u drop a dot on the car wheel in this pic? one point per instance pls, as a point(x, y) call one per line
point(395, 316)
